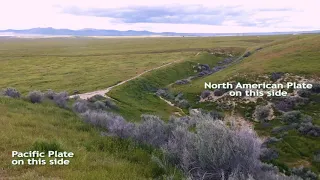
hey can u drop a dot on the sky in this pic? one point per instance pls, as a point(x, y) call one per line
point(185, 16)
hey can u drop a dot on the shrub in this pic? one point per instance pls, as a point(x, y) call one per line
point(288, 103)
point(304, 93)
point(262, 113)
point(205, 94)
point(183, 104)
point(110, 104)
point(11, 92)
point(36, 96)
point(276, 75)
point(182, 81)
point(95, 118)
point(61, 99)
point(99, 105)
point(292, 117)
point(80, 106)
point(218, 92)
point(270, 140)
point(268, 154)
point(214, 150)
point(316, 157)
point(96, 97)
point(50, 94)
point(165, 93)
point(117, 126)
point(309, 129)
point(178, 97)
point(151, 131)
point(304, 173)
point(315, 88)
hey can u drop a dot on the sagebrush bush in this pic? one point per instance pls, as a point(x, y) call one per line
point(304, 93)
point(219, 92)
point(289, 103)
point(213, 151)
point(183, 104)
point(182, 81)
point(268, 154)
point(80, 106)
point(11, 92)
point(292, 117)
point(315, 88)
point(115, 124)
point(152, 131)
point(276, 75)
point(36, 96)
point(100, 105)
point(110, 104)
point(49, 94)
point(304, 173)
point(262, 113)
point(96, 97)
point(205, 94)
point(316, 157)
point(61, 99)
point(309, 129)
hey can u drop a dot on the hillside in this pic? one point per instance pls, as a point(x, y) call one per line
point(26, 126)
point(112, 140)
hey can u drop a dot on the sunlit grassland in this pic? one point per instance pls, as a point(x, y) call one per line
point(87, 64)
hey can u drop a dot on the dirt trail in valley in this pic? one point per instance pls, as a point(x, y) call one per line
point(104, 91)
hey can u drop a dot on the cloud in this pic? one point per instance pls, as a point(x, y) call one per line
point(197, 14)
point(164, 15)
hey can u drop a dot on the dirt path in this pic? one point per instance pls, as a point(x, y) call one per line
point(104, 91)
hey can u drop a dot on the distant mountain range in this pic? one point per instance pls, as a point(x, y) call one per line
point(102, 32)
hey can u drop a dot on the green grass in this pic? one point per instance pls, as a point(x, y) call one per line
point(26, 126)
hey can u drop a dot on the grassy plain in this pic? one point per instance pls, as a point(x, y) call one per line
point(88, 64)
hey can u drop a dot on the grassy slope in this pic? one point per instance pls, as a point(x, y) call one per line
point(297, 55)
point(137, 96)
point(96, 157)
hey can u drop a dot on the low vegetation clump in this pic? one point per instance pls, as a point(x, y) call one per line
point(276, 75)
point(262, 113)
point(309, 129)
point(205, 94)
point(50, 94)
point(219, 92)
point(80, 106)
point(111, 105)
point(61, 99)
point(100, 105)
point(36, 96)
point(96, 97)
point(304, 93)
point(304, 173)
point(292, 117)
point(11, 92)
